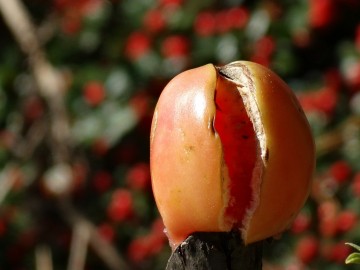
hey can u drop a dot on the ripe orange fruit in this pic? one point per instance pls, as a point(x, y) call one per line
point(230, 149)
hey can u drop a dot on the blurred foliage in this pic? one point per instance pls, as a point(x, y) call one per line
point(115, 57)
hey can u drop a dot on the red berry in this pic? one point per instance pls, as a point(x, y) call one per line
point(158, 235)
point(158, 227)
point(321, 13)
point(146, 246)
point(265, 46)
point(71, 25)
point(328, 227)
point(137, 45)
point(138, 250)
point(157, 243)
point(175, 46)
point(261, 59)
point(340, 171)
point(355, 186)
point(301, 223)
point(107, 232)
point(171, 2)
point(307, 249)
point(327, 100)
point(94, 93)
point(339, 252)
point(154, 20)
point(222, 22)
point(263, 50)
point(238, 17)
point(121, 205)
point(138, 177)
point(205, 24)
point(346, 220)
point(321, 100)
point(327, 214)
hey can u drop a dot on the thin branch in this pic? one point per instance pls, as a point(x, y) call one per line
point(51, 85)
point(48, 28)
point(25, 147)
point(335, 138)
point(7, 181)
point(43, 258)
point(20, 24)
point(104, 250)
point(79, 246)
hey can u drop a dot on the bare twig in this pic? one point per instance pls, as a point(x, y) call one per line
point(79, 246)
point(105, 250)
point(20, 24)
point(43, 258)
point(50, 83)
point(335, 138)
point(51, 87)
point(7, 181)
point(47, 29)
point(25, 148)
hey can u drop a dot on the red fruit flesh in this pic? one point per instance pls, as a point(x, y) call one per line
point(240, 146)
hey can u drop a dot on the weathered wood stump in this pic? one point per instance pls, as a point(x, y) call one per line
point(216, 251)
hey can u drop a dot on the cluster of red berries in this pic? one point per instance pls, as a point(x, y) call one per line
point(148, 245)
point(208, 23)
point(72, 13)
point(322, 235)
point(111, 179)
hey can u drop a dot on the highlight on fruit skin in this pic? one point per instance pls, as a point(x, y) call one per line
point(230, 148)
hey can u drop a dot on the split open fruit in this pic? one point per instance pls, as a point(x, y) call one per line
point(230, 149)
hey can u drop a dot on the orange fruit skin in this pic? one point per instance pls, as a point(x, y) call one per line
point(186, 155)
point(288, 171)
point(187, 164)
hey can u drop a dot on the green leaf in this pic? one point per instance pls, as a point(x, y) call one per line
point(354, 246)
point(353, 258)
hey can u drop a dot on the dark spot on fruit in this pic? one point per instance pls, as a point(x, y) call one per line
point(267, 154)
point(300, 109)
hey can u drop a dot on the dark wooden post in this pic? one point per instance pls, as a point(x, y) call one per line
point(216, 251)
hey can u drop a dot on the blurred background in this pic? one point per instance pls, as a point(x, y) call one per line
point(79, 80)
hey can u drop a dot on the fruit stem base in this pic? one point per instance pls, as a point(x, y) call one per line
point(216, 250)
